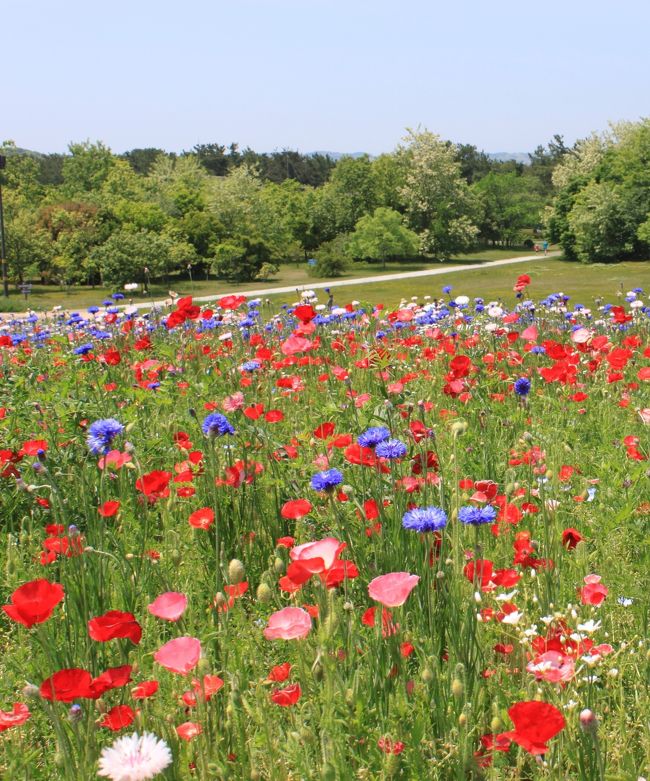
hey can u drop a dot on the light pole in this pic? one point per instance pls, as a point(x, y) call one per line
point(3, 255)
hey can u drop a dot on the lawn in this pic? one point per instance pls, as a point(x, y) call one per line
point(44, 297)
point(548, 275)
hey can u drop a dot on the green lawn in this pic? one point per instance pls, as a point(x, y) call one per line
point(548, 275)
point(44, 297)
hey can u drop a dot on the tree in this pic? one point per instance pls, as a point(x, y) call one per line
point(240, 259)
point(126, 253)
point(350, 192)
point(474, 165)
point(141, 160)
point(601, 224)
point(331, 258)
point(510, 204)
point(86, 168)
point(439, 204)
point(382, 235)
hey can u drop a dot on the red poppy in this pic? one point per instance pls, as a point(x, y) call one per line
point(279, 673)
point(14, 718)
point(113, 678)
point(154, 485)
point(570, 538)
point(188, 730)
point(144, 690)
point(288, 696)
point(118, 717)
point(108, 509)
point(202, 519)
point(67, 685)
point(33, 602)
point(295, 508)
point(535, 724)
point(113, 625)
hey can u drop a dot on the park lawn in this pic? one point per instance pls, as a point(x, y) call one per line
point(584, 283)
point(45, 297)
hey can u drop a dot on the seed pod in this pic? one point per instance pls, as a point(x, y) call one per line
point(264, 593)
point(236, 571)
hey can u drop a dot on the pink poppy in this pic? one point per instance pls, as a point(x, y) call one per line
point(552, 666)
point(290, 623)
point(179, 655)
point(169, 606)
point(594, 592)
point(234, 402)
point(295, 344)
point(327, 550)
point(393, 588)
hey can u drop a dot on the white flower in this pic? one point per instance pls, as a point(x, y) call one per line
point(131, 286)
point(589, 626)
point(462, 300)
point(135, 758)
point(512, 618)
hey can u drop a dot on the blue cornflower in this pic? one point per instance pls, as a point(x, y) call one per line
point(475, 516)
point(447, 289)
point(522, 386)
point(538, 349)
point(83, 349)
point(425, 519)
point(391, 448)
point(325, 481)
point(373, 436)
point(101, 433)
point(117, 296)
point(250, 366)
point(216, 425)
point(93, 310)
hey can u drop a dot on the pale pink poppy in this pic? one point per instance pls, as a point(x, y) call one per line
point(553, 667)
point(530, 334)
point(392, 589)
point(169, 606)
point(327, 550)
point(290, 623)
point(234, 402)
point(179, 655)
point(321, 462)
point(645, 415)
point(581, 336)
point(295, 344)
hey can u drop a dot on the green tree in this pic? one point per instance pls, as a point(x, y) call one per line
point(240, 259)
point(601, 224)
point(331, 258)
point(511, 204)
point(382, 235)
point(439, 204)
point(86, 168)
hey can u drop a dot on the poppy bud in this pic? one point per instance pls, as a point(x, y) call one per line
point(588, 720)
point(255, 776)
point(175, 557)
point(458, 428)
point(203, 665)
point(317, 671)
point(75, 714)
point(31, 691)
point(328, 773)
point(278, 565)
point(457, 688)
point(426, 675)
point(349, 697)
point(236, 571)
point(462, 720)
point(330, 625)
point(220, 600)
point(264, 592)
point(496, 725)
point(59, 759)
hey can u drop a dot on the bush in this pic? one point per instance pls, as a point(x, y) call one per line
point(331, 260)
point(240, 260)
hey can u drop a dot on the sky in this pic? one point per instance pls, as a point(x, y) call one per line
point(336, 75)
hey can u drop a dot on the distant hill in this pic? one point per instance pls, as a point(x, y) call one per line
point(339, 155)
point(502, 157)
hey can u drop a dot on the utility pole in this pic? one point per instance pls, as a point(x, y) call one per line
point(3, 254)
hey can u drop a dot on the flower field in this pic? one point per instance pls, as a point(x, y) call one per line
point(327, 542)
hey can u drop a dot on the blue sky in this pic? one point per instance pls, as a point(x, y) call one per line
point(318, 74)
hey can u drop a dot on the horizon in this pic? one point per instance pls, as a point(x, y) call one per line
point(318, 74)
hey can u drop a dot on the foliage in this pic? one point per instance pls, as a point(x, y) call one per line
point(382, 235)
point(439, 204)
point(240, 259)
point(331, 258)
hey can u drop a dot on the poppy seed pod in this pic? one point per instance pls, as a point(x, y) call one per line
point(264, 592)
point(236, 571)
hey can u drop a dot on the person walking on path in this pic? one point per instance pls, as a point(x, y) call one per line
point(545, 247)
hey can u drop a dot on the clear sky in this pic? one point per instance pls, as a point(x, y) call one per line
point(339, 75)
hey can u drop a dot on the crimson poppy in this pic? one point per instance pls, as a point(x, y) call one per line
point(33, 602)
point(113, 625)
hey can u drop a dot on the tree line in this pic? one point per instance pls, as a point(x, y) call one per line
point(92, 216)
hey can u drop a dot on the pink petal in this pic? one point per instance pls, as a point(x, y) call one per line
point(169, 606)
point(179, 655)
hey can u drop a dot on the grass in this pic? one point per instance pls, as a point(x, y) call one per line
point(548, 275)
point(44, 297)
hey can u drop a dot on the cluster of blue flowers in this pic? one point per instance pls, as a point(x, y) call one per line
point(371, 437)
point(475, 516)
point(391, 448)
point(216, 425)
point(327, 480)
point(101, 433)
point(522, 386)
point(425, 519)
